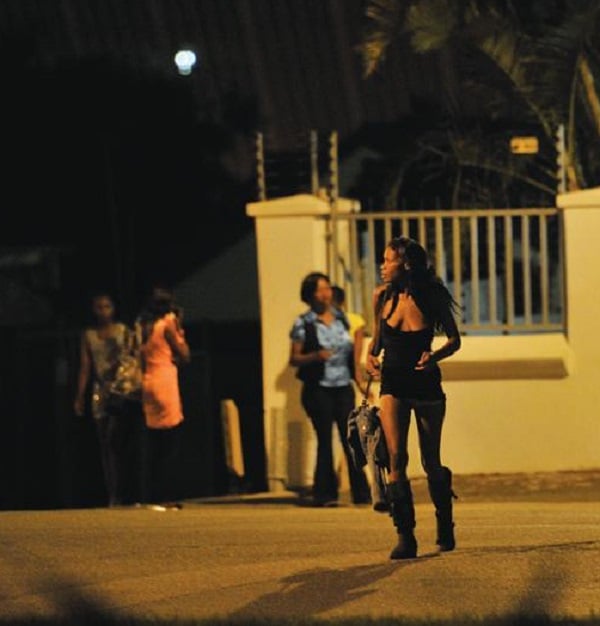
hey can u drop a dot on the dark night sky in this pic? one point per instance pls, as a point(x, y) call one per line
point(136, 173)
point(116, 169)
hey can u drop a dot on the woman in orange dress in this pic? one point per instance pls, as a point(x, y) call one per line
point(163, 349)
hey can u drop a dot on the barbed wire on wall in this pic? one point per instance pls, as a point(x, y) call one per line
point(307, 165)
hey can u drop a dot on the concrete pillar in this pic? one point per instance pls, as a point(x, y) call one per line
point(581, 218)
point(292, 240)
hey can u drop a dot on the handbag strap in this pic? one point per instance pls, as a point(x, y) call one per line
point(365, 399)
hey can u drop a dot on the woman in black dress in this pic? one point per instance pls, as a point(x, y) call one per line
point(410, 307)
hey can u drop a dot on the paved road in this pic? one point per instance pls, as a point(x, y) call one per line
point(265, 556)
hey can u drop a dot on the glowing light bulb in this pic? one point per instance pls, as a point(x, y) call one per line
point(185, 61)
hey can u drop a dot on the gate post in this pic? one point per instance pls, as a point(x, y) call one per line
point(291, 240)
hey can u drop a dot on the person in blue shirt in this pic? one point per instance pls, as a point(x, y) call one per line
point(323, 353)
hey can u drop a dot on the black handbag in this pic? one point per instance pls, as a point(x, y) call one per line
point(311, 373)
point(365, 435)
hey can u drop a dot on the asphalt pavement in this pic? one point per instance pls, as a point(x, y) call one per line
point(527, 545)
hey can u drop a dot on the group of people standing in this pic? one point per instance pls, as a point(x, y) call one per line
point(138, 438)
point(410, 306)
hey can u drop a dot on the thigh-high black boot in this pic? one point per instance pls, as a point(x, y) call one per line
point(440, 490)
point(402, 511)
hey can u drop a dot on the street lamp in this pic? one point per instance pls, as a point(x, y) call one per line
point(185, 61)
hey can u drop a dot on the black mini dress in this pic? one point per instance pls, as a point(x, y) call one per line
point(402, 351)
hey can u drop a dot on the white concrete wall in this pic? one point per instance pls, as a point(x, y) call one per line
point(291, 236)
point(515, 403)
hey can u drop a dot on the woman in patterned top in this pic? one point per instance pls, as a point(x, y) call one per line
point(118, 428)
point(322, 350)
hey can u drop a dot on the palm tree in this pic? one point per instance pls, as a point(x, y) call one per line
point(522, 65)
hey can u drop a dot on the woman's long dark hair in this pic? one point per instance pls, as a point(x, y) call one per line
point(421, 282)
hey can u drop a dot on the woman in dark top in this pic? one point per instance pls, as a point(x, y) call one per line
point(410, 307)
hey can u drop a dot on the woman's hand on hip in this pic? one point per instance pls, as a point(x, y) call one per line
point(426, 361)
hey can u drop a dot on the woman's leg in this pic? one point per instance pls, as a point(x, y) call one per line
point(395, 422)
point(430, 419)
point(127, 449)
point(343, 405)
point(163, 450)
point(104, 429)
point(153, 443)
point(319, 406)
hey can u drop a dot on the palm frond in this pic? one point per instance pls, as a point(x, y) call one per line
point(383, 27)
point(533, 65)
point(590, 90)
point(431, 24)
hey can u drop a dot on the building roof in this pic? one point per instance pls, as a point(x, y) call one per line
point(225, 289)
point(294, 60)
point(98, 126)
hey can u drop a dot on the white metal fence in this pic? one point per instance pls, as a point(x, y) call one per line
point(503, 266)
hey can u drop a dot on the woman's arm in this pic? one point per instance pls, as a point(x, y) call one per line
point(304, 346)
point(83, 377)
point(358, 341)
point(298, 358)
point(175, 336)
point(373, 363)
point(452, 345)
